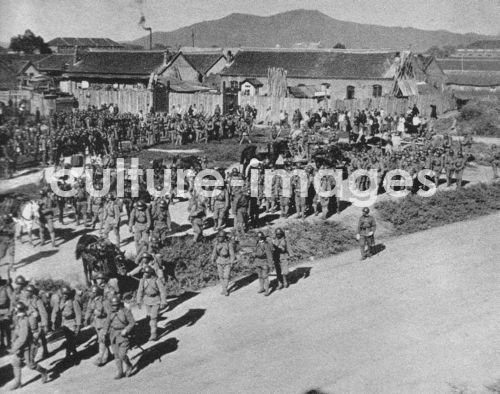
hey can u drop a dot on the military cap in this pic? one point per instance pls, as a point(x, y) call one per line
point(20, 280)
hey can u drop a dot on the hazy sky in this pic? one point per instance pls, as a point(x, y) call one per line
point(117, 19)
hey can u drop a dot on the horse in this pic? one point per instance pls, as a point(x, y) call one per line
point(101, 256)
point(28, 215)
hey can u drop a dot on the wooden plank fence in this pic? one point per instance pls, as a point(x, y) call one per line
point(388, 104)
point(205, 102)
point(127, 100)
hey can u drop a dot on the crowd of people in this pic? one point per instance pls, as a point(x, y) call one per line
point(374, 143)
point(105, 130)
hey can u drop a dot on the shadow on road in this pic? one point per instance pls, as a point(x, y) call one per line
point(378, 249)
point(150, 355)
point(298, 274)
point(35, 257)
point(188, 319)
point(240, 283)
point(6, 374)
point(187, 295)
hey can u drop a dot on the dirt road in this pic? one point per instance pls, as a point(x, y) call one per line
point(420, 317)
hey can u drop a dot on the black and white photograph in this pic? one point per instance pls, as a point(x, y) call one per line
point(263, 197)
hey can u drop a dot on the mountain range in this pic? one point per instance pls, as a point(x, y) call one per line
point(304, 26)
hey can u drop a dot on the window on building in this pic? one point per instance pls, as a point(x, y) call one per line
point(246, 92)
point(377, 91)
point(350, 92)
point(234, 85)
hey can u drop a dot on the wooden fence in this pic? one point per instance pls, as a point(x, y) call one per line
point(127, 100)
point(392, 105)
point(205, 102)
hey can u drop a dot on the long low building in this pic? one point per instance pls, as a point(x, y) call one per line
point(344, 74)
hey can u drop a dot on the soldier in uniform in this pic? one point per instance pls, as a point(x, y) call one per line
point(436, 164)
point(96, 314)
point(151, 293)
point(223, 256)
point(495, 160)
point(327, 185)
point(263, 260)
point(300, 201)
point(147, 259)
point(96, 206)
point(111, 218)
point(119, 324)
point(71, 314)
point(46, 217)
point(280, 248)
point(6, 303)
point(108, 289)
point(140, 223)
point(449, 167)
point(7, 239)
point(366, 231)
point(220, 205)
point(196, 210)
point(242, 203)
point(22, 346)
point(459, 166)
point(38, 320)
point(80, 202)
point(162, 221)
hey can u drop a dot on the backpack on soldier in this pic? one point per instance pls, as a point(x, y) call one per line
point(4, 297)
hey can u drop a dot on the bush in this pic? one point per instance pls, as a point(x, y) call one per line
point(415, 213)
point(194, 270)
point(481, 117)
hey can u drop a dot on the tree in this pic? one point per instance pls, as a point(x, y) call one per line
point(338, 45)
point(29, 43)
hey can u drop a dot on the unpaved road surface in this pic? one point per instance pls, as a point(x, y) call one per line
point(419, 317)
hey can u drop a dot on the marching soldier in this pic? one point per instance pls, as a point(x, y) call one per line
point(223, 256)
point(6, 303)
point(140, 223)
point(96, 207)
point(7, 239)
point(162, 221)
point(280, 248)
point(71, 313)
point(108, 290)
point(366, 231)
point(46, 217)
point(151, 293)
point(147, 259)
point(80, 202)
point(263, 260)
point(242, 202)
point(495, 160)
point(96, 314)
point(111, 218)
point(449, 167)
point(22, 346)
point(197, 210)
point(38, 320)
point(119, 324)
point(459, 166)
point(220, 206)
point(436, 164)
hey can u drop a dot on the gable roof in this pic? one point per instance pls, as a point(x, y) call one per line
point(8, 77)
point(19, 63)
point(113, 64)
point(314, 64)
point(203, 62)
point(483, 64)
point(55, 62)
point(253, 81)
point(83, 41)
point(474, 78)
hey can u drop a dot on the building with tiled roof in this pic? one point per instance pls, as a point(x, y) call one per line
point(347, 73)
point(68, 44)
